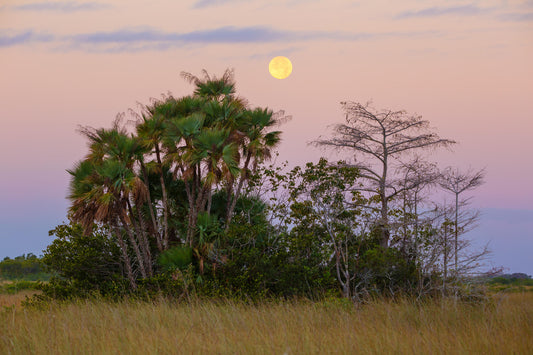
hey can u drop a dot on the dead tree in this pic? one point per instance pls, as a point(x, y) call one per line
point(415, 178)
point(380, 138)
point(457, 182)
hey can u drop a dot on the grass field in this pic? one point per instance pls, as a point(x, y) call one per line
point(503, 326)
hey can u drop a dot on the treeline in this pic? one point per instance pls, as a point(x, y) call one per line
point(27, 267)
point(182, 202)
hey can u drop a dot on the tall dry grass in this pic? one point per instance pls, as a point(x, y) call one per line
point(15, 299)
point(504, 326)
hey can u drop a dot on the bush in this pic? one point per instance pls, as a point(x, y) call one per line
point(83, 264)
point(17, 286)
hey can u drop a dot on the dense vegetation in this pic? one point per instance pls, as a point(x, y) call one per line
point(183, 203)
point(24, 267)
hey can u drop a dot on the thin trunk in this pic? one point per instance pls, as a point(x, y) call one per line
point(384, 224)
point(151, 207)
point(125, 257)
point(145, 244)
point(237, 193)
point(135, 246)
point(445, 258)
point(209, 200)
point(141, 234)
point(190, 197)
point(384, 202)
point(416, 223)
point(229, 194)
point(165, 198)
point(193, 206)
point(456, 229)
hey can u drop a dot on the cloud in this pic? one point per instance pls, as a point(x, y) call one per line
point(219, 35)
point(206, 3)
point(61, 6)
point(133, 40)
point(517, 17)
point(228, 34)
point(466, 10)
point(8, 40)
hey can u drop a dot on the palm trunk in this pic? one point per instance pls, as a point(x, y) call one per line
point(125, 257)
point(193, 205)
point(238, 191)
point(135, 246)
point(151, 207)
point(145, 246)
point(165, 198)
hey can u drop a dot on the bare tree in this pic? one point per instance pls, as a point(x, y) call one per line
point(438, 252)
point(458, 182)
point(416, 177)
point(380, 137)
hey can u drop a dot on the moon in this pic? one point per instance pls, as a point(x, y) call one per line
point(280, 67)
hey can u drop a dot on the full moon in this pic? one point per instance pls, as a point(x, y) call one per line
point(280, 67)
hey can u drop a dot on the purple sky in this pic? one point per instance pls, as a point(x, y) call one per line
point(463, 65)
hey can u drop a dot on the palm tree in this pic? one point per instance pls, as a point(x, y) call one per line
point(210, 87)
point(90, 204)
point(113, 154)
point(256, 145)
point(150, 132)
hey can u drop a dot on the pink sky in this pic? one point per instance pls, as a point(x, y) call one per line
point(463, 65)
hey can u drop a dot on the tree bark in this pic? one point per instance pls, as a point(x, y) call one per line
point(165, 198)
point(125, 257)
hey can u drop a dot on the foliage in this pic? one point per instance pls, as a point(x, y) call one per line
point(175, 258)
point(17, 286)
point(25, 267)
point(183, 205)
point(84, 264)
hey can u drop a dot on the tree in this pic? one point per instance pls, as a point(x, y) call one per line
point(150, 133)
point(415, 178)
point(319, 197)
point(457, 182)
point(380, 138)
point(90, 260)
point(103, 187)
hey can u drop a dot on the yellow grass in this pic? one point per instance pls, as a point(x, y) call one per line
point(504, 326)
point(14, 300)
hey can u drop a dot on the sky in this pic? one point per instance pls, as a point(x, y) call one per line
point(463, 65)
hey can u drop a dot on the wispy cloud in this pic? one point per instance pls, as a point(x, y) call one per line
point(209, 3)
point(254, 34)
point(60, 6)
point(8, 40)
point(466, 10)
point(219, 35)
point(152, 39)
point(517, 17)
point(206, 3)
point(470, 10)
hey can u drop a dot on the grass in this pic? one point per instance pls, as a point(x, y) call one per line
point(16, 286)
point(331, 327)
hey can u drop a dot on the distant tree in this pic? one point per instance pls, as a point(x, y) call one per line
point(415, 178)
point(23, 267)
point(377, 138)
point(457, 182)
